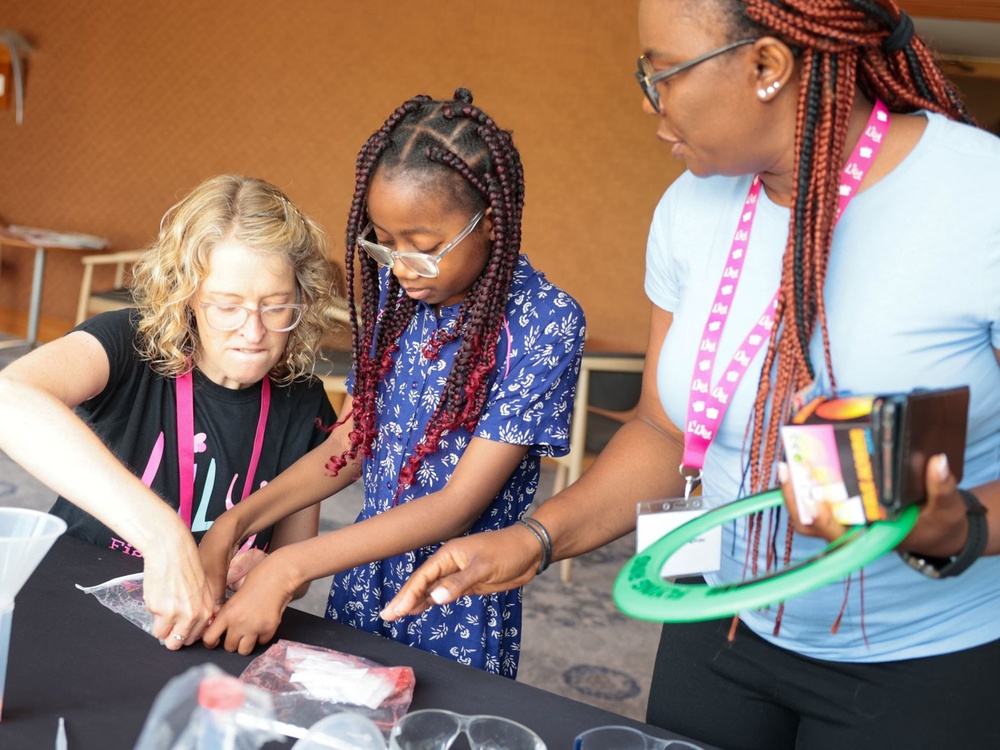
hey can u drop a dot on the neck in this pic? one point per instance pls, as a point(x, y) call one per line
point(780, 181)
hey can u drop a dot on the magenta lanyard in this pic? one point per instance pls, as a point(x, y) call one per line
point(185, 441)
point(707, 405)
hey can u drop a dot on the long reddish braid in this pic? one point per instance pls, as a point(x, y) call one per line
point(468, 157)
point(845, 46)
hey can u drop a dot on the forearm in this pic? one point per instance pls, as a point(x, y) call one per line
point(425, 521)
point(54, 445)
point(640, 463)
point(305, 483)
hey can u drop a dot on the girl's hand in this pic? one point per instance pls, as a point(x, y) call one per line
point(482, 563)
point(254, 612)
point(175, 590)
point(218, 548)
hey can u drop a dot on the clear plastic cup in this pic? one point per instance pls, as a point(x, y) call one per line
point(26, 536)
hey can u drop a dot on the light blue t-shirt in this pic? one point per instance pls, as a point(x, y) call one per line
point(912, 300)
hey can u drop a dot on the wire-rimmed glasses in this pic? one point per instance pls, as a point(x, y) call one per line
point(648, 78)
point(225, 316)
point(422, 264)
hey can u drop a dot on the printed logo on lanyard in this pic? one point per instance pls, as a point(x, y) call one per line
point(707, 403)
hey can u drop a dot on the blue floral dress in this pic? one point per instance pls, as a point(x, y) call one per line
point(530, 403)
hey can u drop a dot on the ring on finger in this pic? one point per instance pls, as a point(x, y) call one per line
point(177, 637)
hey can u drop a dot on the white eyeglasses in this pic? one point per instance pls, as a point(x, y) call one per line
point(422, 264)
point(275, 318)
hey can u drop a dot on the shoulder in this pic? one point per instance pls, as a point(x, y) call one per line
point(965, 146)
point(530, 289)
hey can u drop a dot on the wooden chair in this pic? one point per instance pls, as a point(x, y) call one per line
point(607, 393)
point(91, 302)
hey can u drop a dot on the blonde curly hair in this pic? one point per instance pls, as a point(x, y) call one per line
point(172, 269)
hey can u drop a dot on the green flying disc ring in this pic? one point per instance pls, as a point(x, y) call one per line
point(641, 592)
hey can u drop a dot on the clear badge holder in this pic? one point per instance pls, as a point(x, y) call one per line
point(657, 518)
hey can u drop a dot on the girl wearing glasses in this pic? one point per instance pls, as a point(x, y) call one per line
point(188, 402)
point(465, 365)
point(834, 172)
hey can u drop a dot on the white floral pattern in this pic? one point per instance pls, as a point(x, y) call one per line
point(530, 403)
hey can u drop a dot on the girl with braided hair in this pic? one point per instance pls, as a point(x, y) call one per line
point(834, 173)
point(465, 366)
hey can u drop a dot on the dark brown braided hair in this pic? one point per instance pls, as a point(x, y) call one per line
point(845, 47)
point(455, 148)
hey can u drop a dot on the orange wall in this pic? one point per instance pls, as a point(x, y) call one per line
point(130, 104)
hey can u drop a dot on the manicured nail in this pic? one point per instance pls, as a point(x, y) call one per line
point(440, 595)
point(782, 472)
point(944, 471)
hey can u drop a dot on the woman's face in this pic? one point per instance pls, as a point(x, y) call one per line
point(240, 276)
point(409, 215)
point(709, 115)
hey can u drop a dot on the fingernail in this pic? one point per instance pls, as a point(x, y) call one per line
point(782, 472)
point(439, 595)
point(944, 471)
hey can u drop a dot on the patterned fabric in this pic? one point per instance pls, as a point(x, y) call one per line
point(530, 403)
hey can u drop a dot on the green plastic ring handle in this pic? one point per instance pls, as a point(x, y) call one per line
point(641, 592)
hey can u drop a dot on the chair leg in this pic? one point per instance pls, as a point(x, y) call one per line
point(566, 570)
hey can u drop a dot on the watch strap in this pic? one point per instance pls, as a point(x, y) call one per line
point(975, 544)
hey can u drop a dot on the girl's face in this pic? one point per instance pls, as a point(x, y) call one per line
point(710, 114)
point(409, 217)
point(239, 276)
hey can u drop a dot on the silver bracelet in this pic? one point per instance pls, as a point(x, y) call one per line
point(542, 535)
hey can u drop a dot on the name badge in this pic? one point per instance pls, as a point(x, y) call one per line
point(657, 518)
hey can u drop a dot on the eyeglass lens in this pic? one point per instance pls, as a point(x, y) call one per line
point(433, 729)
point(275, 318)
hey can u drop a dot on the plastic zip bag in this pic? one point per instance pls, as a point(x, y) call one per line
point(124, 596)
point(307, 683)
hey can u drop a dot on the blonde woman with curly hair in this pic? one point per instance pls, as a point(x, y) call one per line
point(151, 422)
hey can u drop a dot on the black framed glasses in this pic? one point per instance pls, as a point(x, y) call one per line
point(275, 318)
point(422, 264)
point(648, 78)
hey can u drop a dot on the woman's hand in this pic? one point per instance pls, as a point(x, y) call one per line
point(823, 526)
point(241, 565)
point(478, 564)
point(175, 590)
point(254, 612)
point(942, 527)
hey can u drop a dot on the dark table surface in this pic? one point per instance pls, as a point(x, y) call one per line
point(72, 657)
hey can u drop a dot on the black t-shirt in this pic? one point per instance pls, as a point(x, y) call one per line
point(136, 416)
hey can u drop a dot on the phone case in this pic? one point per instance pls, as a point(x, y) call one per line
point(910, 428)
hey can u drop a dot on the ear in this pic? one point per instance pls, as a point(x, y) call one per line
point(488, 223)
point(776, 66)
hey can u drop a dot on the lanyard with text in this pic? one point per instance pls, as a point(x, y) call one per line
point(707, 405)
point(185, 441)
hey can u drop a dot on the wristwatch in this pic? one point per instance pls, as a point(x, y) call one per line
point(975, 544)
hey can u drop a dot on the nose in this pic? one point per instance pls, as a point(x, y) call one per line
point(400, 271)
point(253, 329)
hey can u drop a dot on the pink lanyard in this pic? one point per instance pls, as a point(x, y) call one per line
point(707, 406)
point(185, 441)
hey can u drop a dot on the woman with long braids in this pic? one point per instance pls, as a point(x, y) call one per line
point(465, 366)
point(833, 172)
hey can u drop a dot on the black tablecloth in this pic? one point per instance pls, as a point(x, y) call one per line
point(72, 657)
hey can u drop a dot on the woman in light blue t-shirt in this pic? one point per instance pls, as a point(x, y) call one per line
point(903, 291)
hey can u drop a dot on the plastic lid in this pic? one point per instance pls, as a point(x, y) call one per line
point(220, 693)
